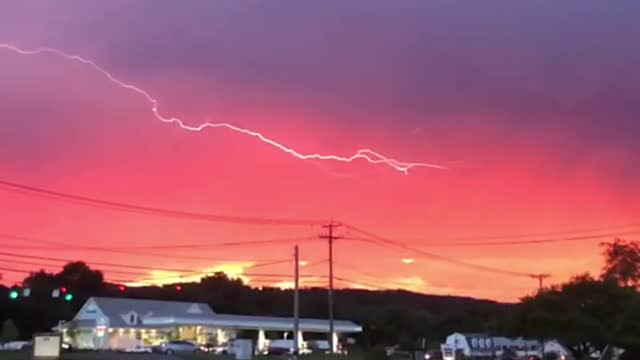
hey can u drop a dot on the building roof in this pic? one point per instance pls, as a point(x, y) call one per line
point(123, 312)
point(119, 309)
point(475, 335)
point(279, 323)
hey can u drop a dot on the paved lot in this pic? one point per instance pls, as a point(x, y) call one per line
point(111, 356)
point(24, 355)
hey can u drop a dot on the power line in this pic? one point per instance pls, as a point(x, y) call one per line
point(426, 243)
point(66, 260)
point(359, 283)
point(178, 276)
point(146, 210)
point(68, 247)
point(353, 269)
point(24, 271)
point(372, 277)
point(150, 281)
point(54, 267)
point(156, 247)
point(375, 239)
point(549, 233)
point(126, 266)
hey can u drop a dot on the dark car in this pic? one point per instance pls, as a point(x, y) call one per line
point(278, 351)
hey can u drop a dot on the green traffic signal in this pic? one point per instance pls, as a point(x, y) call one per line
point(13, 294)
point(68, 297)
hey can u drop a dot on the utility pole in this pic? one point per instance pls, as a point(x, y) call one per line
point(296, 303)
point(331, 237)
point(541, 278)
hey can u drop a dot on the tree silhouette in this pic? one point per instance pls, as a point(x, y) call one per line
point(622, 262)
point(80, 278)
point(587, 313)
point(9, 331)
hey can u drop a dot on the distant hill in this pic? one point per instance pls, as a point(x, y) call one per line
point(388, 317)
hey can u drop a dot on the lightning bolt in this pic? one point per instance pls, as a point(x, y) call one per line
point(368, 155)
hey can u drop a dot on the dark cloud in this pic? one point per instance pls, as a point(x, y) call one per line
point(563, 72)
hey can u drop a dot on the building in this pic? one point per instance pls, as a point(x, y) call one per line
point(121, 324)
point(476, 346)
point(479, 346)
point(519, 346)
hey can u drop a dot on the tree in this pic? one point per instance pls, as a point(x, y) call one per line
point(584, 313)
point(82, 278)
point(622, 262)
point(9, 331)
point(631, 353)
point(42, 283)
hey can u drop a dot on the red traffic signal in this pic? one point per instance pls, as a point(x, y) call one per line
point(122, 288)
point(178, 287)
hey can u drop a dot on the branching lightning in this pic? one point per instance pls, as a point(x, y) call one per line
point(364, 154)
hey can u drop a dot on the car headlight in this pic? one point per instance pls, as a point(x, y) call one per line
point(427, 356)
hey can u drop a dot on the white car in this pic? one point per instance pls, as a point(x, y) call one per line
point(214, 349)
point(14, 345)
point(139, 349)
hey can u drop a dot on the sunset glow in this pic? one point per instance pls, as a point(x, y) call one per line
point(512, 158)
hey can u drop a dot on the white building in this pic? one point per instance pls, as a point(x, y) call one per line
point(472, 345)
point(118, 323)
point(485, 346)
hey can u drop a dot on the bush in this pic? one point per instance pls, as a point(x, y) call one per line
point(376, 353)
point(631, 353)
point(9, 332)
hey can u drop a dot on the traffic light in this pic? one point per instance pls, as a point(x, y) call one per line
point(14, 294)
point(122, 288)
point(68, 297)
point(178, 288)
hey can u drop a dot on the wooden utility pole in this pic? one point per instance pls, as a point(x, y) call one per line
point(541, 278)
point(330, 236)
point(296, 304)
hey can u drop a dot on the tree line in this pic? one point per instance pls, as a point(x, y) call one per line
point(587, 313)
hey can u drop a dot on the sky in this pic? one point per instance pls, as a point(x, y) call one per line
point(532, 108)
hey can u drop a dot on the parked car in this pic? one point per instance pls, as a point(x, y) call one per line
point(214, 349)
point(139, 349)
point(278, 351)
point(177, 346)
point(15, 345)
